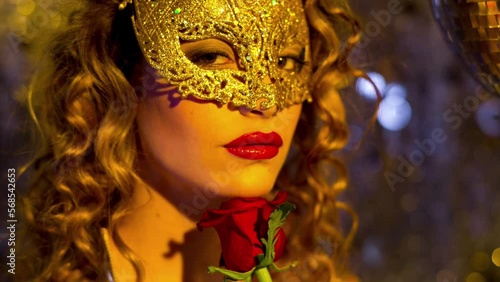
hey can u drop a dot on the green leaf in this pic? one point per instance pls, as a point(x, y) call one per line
point(278, 269)
point(231, 274)
point(276, 220)
point(260, 257)
point(286, 208)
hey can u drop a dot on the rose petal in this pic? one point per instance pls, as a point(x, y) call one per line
point(279, 199)
point(237, 241)
point(241, 223)
point(212, 218)
point(243, 203)
point(247, 223)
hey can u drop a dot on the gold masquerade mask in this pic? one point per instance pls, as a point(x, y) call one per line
point(257, 30)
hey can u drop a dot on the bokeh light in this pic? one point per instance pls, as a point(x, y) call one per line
point(56, 21)
point(26, 8)
point(409, 202)
point(488, 117)
point(365, 88)
point(394, 113)
point(395, 89)
point(475, 277)
point(372, 254)
point(446, 275)
point(495, 257)
point(16, 23)
point(480, 261)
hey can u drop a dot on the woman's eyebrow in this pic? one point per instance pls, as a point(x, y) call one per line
point(296, 48)
point(206, 43)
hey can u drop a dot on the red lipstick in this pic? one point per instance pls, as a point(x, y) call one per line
point(255, 146)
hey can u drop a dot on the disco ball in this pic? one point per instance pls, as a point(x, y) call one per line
point(472, 29)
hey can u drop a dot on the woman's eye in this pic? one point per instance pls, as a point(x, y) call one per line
point(211, 59)
point(290, 63)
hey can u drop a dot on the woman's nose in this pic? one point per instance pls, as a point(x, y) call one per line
point(259, 111)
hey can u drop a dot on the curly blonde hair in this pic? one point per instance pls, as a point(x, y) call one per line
point(83, 174)
point(321, 131)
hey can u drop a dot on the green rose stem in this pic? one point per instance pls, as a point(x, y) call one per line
point(263, 275)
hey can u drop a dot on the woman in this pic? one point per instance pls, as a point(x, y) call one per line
point(154, 111)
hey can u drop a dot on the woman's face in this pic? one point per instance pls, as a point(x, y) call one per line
point(211, 148)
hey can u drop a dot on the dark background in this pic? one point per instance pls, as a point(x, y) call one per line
point(438, 220)
point(426, 194)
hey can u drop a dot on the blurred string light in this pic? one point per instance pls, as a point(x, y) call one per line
point(480, 261)
point(16, 23)
point(371, 253)
point(495, 257)
point(394, 113)
point(366, 89)
point(28, 20)
point(395, 89)
point(488, 117)
point(445, 275)
point(475, 277)
point(26, 8)
point(394, 110)
point(409, 203)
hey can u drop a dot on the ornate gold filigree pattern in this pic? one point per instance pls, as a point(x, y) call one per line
point(257, 30)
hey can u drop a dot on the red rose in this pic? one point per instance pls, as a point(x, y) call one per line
point(241, 223)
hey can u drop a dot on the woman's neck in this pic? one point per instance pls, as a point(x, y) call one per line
point(165, 240)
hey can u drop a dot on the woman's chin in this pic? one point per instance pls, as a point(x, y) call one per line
point(246, 191)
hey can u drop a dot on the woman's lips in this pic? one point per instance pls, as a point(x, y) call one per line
point(255, 146)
